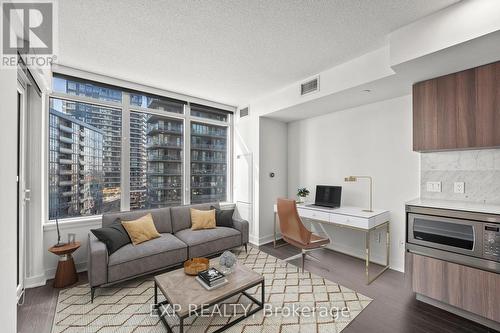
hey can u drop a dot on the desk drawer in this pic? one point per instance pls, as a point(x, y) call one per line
point(313, 214)
point(351, 221)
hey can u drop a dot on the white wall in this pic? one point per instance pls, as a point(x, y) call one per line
point(80, 256)
point(273, 158)
point(449, 27)
point(8, 198)
point(375, 140)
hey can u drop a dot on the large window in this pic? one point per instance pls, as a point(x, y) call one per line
point(208, 162)
point(95, 130)
point(156, 161)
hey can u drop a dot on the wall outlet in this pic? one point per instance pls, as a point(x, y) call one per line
point(433, 186)
point(459, 187)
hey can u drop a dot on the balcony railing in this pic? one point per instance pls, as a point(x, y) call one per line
point(214, 134)
point(162, 144)
point(66, 139)
point(164, 158)
point(65, 128)
point(208, 172)
point(164, 172)
point(208, 146)
point(209, 160)
point(164, 129)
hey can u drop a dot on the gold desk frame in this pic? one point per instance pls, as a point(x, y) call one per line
point(367, 232)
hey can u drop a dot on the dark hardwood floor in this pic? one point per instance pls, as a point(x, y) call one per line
point(394, 308)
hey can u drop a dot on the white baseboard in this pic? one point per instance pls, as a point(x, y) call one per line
point(35, 281)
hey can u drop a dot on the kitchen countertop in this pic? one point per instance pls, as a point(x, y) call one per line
point(456, 205)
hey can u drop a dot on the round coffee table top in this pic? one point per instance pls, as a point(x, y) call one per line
point(65, 249)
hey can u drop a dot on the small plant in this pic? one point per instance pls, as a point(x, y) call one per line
point(303, 192)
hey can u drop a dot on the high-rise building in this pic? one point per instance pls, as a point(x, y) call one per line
point(208, 163)
point(138, 163)
point(75, 167)
point(107, 119)
point(164, 161)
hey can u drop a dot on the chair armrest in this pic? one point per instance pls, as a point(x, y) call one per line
point(242, 226)
point(97, 262)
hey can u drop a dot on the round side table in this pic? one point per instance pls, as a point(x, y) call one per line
point(66, 270)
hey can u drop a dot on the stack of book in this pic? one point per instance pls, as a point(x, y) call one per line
point(211, 278)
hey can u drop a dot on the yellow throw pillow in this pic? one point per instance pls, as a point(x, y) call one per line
point(141, 229)
point(202, 219)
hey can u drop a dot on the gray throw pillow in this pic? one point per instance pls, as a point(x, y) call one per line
point(114, 236)
point(223, 217)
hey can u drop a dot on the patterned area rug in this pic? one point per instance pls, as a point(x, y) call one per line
point(296, 302)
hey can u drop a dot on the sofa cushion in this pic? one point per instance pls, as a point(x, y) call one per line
point(224, 217)
point(141, 230)
point(202, 219)
point(209, 241)
point(161, 218)
point(113, 235)
point(158, 253)
point(181, 215)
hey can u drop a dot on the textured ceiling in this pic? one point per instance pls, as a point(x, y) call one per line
point(228, 51)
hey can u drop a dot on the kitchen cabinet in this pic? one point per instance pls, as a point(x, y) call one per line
point(464, 287)
point(458, 111)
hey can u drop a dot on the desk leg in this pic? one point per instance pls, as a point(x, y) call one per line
point(367, 255)
point(274, 226)
point(388, 244)
point(388, 249)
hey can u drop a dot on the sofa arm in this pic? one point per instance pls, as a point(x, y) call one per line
point(242, 226)
point(97, 262)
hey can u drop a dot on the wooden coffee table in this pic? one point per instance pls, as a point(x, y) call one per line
point(181, 291)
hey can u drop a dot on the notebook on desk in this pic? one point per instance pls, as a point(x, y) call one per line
point(327, 197)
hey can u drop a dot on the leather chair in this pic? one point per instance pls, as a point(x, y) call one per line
point(295, 233)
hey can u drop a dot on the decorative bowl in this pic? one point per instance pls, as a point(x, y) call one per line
point(196, 265)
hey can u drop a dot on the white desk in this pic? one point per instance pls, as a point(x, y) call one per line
point(348, 217)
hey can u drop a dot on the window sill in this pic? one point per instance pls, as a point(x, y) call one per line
point(73, 223)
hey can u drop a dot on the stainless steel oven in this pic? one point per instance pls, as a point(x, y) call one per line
point(464, 237)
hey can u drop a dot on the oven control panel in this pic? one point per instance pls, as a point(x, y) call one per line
point(491, 241)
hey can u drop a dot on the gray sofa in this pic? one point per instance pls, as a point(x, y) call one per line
point(176, 244)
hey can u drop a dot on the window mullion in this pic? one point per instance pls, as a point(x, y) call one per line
point(125, 160)
point(187, 155)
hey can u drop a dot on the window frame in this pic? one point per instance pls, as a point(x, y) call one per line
point(126, 108)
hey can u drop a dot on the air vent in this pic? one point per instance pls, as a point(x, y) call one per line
point(309, 86)
point(244, 112)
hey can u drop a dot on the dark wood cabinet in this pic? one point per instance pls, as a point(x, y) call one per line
point(458, 111)
point(467, 288)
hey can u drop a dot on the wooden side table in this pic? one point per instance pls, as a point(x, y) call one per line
point(66, 270)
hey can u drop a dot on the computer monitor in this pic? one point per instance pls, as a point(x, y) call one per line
point(328, 196)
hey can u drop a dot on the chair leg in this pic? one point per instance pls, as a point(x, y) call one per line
point(303, 260)
point(246, 248)
point(92, 293)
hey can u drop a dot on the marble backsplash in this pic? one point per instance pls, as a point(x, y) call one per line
point(479, 169)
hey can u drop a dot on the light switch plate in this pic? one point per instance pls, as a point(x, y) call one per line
point(459, 187)
point(433, 186)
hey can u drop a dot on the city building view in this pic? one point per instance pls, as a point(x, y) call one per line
point(156, 152)
point(208, 163)
point(155, 161)
point(75, 167)
point(109, 121)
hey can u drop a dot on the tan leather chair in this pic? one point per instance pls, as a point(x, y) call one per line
point(295, 233)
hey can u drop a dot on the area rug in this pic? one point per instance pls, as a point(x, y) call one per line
point(296, 302)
